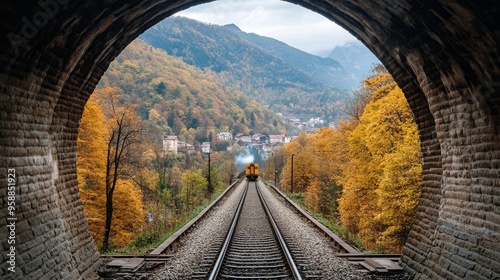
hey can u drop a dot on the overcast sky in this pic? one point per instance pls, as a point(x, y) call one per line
point(289, 23)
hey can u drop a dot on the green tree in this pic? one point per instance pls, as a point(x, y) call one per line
point(193, 189)
point(161, 88)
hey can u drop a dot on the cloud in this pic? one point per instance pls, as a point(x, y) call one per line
point(289, 23)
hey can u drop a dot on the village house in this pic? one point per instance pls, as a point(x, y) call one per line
point(313, 122)
point(183, 146)
point(260, 138)
point(225, 136)
point(170, 144)
point(264, 139)
point(279, 138)
point(245, 138)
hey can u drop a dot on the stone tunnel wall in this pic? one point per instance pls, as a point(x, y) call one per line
point(443, 54)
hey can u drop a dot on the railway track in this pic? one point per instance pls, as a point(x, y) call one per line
point(247, 247)
point(253, 248)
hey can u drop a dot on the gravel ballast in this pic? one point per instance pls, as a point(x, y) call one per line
point(195, 245)
point(313, 244)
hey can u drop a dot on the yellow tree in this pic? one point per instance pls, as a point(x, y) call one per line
point(399, 190)
point(91, 166)
point(303, 167)
point(328, 149)
point(358, 205)
point(375, 150)
point(128, 214)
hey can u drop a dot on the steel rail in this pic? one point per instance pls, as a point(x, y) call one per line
point(218, 263)
point(342, 246)
point(284, 247)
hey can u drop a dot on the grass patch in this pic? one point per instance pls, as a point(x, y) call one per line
point(157, 232)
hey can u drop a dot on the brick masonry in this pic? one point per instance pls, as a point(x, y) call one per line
point(443, 54)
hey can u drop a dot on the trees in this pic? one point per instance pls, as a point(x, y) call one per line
point(176, 97)
point(381, 182)
point(367, 172)
point(399, 191)
point(228, 169)
point(193, 189)
point(354, 108)
point(128, 214)
point(329, 151)
point(124, 134)
point(92, 164)
point(303, 167)
point(317, 168)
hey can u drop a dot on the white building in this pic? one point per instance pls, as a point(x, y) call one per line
point(170, 144)
point(313, 122)
point(225, 136)
point(279, 138)
point(205, 147)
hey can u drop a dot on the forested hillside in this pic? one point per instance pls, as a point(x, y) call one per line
point(180, 99)
point(286, 79)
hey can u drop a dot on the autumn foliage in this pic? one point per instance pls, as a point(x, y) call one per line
point(367, 172)
point(91, 166)
point(118, 161)
point(91, 169)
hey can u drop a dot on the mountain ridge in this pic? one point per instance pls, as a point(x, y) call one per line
point(247, 66)
point(284, 78)
point(320, 68)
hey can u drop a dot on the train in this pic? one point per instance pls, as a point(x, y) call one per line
point(252, 171)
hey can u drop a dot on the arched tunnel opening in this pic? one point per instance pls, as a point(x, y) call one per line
point(444, 56)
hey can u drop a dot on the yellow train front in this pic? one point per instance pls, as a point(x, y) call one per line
point(252, 171)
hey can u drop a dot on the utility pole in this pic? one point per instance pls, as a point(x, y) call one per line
point(275, 170)
point(291, 190)
point(268, 175)
point(209, 187)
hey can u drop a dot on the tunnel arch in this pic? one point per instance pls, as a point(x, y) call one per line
point(443, 54)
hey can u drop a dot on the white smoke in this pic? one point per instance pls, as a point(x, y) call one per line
point(244, 159)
